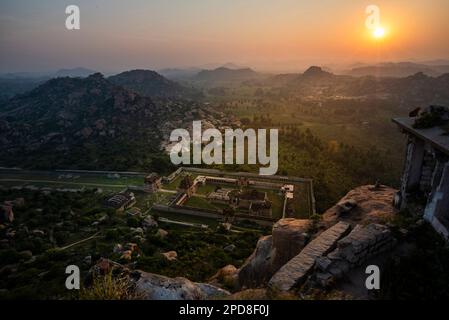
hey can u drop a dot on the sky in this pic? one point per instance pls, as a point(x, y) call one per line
point(268, 35)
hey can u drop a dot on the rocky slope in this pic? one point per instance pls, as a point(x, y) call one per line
point(363, 205)
point(84, 123)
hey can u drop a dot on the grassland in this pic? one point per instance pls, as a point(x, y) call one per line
point(200, 202)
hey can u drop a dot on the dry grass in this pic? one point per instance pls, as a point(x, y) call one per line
point(109, 287)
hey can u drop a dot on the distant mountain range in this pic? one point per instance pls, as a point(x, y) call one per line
point(224, 74)
point(400, 69)
point(73, 72)
point(20, 82)
point(178, 73)
point(314, 75)
point(115, 123)
point(414, 89)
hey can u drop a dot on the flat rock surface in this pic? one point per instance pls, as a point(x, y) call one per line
point(289, 238)
point(295, 271)
point(373, 205)
point(157, 287)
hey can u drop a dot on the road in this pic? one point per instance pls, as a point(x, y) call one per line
point(65, 182)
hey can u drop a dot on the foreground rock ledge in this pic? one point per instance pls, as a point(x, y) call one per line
point(272, 252)
point(294, 272)
point(156, 287)
point(371, 205)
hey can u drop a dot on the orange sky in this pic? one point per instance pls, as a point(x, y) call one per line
point(266, 34)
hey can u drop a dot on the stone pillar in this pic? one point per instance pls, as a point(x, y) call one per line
point(412, 169)
point(437, 209)
point(428, 168)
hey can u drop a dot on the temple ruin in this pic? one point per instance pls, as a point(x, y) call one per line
point(425, 178)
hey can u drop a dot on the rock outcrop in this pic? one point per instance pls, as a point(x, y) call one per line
point(289, 236)
point(226, 276)
point(150, 286)
point(294, 272)
point(257, 268)
point(365, 204)
point(286, 260)
point(156, 287)
point(170, 255)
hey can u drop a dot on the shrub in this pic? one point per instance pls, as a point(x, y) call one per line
point(133, 222)
point(9, 256)
point(112, 234)
point(108, 287)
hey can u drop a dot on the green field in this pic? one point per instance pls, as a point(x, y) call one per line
point(199, 202)
point(204, 190)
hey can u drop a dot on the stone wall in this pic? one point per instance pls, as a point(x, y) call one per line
point(437, 209)
point(363, 243)
point(297, 270)
point(412, 168)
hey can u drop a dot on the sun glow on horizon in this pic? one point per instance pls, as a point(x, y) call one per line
point(379, 33)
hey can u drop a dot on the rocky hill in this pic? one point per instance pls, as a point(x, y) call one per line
point(152, 84)
point(84, 123)
point(74, 72)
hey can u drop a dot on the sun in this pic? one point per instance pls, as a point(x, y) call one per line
point(379, 33)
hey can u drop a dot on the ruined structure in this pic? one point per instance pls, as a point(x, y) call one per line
point(426, 168)
point(153, 183)
point(187, 185)
point(120, 201)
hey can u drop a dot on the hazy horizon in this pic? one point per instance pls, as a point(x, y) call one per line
point(281, 36)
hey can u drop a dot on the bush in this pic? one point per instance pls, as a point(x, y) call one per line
point(9, 256)
point(133, 222)
point(112, 234)
point(108, 287)
point(422, 274)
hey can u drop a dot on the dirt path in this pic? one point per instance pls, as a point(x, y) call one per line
point(80, 241)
